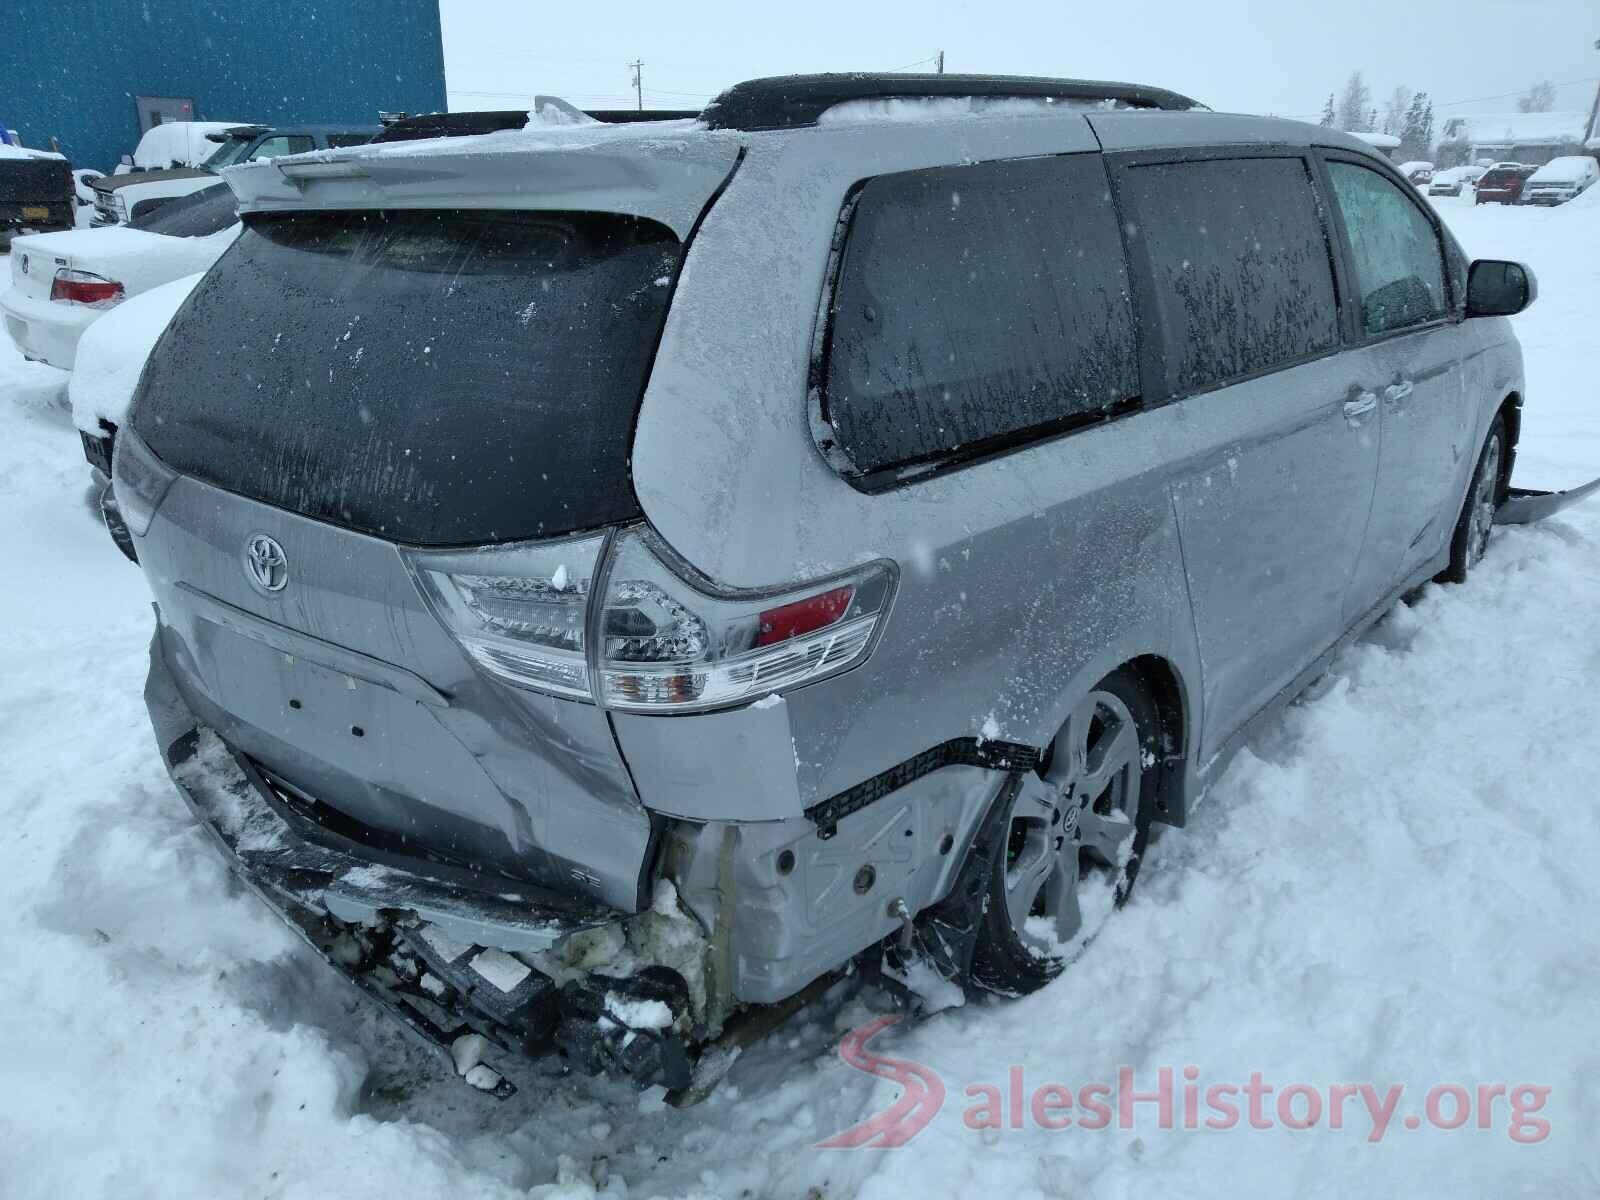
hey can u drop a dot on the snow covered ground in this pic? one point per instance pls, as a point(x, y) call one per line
point(1398, 885)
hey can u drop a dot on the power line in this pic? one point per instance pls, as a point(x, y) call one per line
point(1474, 100)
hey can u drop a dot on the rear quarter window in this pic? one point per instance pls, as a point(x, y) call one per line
point(976, 306)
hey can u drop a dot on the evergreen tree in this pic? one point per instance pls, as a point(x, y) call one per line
point(1327, 113)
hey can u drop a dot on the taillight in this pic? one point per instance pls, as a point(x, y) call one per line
point(659, 638)
point(521, 611)
point(671, 642)
point(83, 287)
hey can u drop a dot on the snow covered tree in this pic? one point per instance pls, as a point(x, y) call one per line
point(1541, 97)
point(1328, 116)
point(1416, 128)
point(1354, 103)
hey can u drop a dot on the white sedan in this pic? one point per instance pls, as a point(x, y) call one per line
point(61, 283)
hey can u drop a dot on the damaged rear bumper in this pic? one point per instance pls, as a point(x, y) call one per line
point(444, 953)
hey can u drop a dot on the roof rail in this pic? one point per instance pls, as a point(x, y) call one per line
point(464, 124)
point(787, 101)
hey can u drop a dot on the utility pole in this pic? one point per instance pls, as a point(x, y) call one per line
point(940, 68)
point(638, 82)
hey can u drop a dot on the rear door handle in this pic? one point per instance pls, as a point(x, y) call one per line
point(1399, 393)
point(1360, 405)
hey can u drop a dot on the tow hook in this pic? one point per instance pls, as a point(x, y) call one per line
point(900, 912)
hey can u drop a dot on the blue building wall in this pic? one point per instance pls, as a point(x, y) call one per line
point(70, 69)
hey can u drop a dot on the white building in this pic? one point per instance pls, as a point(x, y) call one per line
point(1514, 137)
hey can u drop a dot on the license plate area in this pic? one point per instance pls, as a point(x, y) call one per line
point(35, 212)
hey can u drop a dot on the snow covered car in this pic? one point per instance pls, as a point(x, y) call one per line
point(111, 354)
point(62, 283)
point(36, 192)
point(173, 144)
point(124, 198)
point(1418, 172)
point(1451, 180)
point(1561, 179)
point(964, 467)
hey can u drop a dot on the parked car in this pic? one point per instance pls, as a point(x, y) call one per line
point(1417, 172)
point(35, 192)
point(124, 198)
point(110, 356)
point(1561, 179)
point(1502, 183)
point(846, 619)
point(1452, 180)
point(172, 144)
point(61, 283)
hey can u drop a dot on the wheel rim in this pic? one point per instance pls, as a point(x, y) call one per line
point(1070, 840)
point(1481, 519)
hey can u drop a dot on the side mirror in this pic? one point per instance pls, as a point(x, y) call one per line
point(1499, 289)
point(126, 160)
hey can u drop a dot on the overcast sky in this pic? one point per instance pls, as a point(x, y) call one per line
point(1277, 56)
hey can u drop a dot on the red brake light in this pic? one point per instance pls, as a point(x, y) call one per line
point(80, 287)
point(802, 616)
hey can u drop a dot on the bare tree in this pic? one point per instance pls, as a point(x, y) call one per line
point(1354, 103)
point(1395, 109)
point(1541, 97)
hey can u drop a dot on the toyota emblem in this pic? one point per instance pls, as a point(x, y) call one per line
point(265, 563)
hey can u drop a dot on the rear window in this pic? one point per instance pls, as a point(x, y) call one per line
point(207, 211)
point(437, 378)
point(977, 306)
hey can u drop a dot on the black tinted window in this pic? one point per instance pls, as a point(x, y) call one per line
point(337, 140)
point(1396, 251)
point(1239, 262)
point(431, 377)
point(200, 213)
point(977, 303)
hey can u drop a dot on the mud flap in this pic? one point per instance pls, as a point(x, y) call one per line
point(1523, 507)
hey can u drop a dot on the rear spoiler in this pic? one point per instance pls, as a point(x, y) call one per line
point(633, 171)
point(1523, 507)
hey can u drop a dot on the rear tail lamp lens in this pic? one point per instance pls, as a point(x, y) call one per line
point(673, 642)
point(83, 287)
point(640, 631)
point(520, 611)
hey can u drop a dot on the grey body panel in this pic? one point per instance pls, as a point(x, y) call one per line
point(1272, 506)
point(528, 784)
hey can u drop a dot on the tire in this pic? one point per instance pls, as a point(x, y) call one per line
point(1484, 494)
point(1099, 783)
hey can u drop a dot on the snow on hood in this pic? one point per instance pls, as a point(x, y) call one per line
point(9, 151)
point(113, 350)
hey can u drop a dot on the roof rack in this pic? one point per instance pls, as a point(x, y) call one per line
point(787, 101)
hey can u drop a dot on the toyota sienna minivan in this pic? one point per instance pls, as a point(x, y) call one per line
point(612, 578)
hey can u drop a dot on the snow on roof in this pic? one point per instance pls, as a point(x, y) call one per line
point(1516, 128)
point(1383, 141)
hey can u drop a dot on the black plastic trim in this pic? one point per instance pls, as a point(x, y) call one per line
point(792, 101)
point(957, 752)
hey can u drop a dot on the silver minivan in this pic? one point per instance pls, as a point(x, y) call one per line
point(613, 578)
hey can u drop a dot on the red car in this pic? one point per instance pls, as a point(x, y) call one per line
point(1502, 183)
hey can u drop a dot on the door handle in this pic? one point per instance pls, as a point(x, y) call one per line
point(1360, 405)
point(1399, 393)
